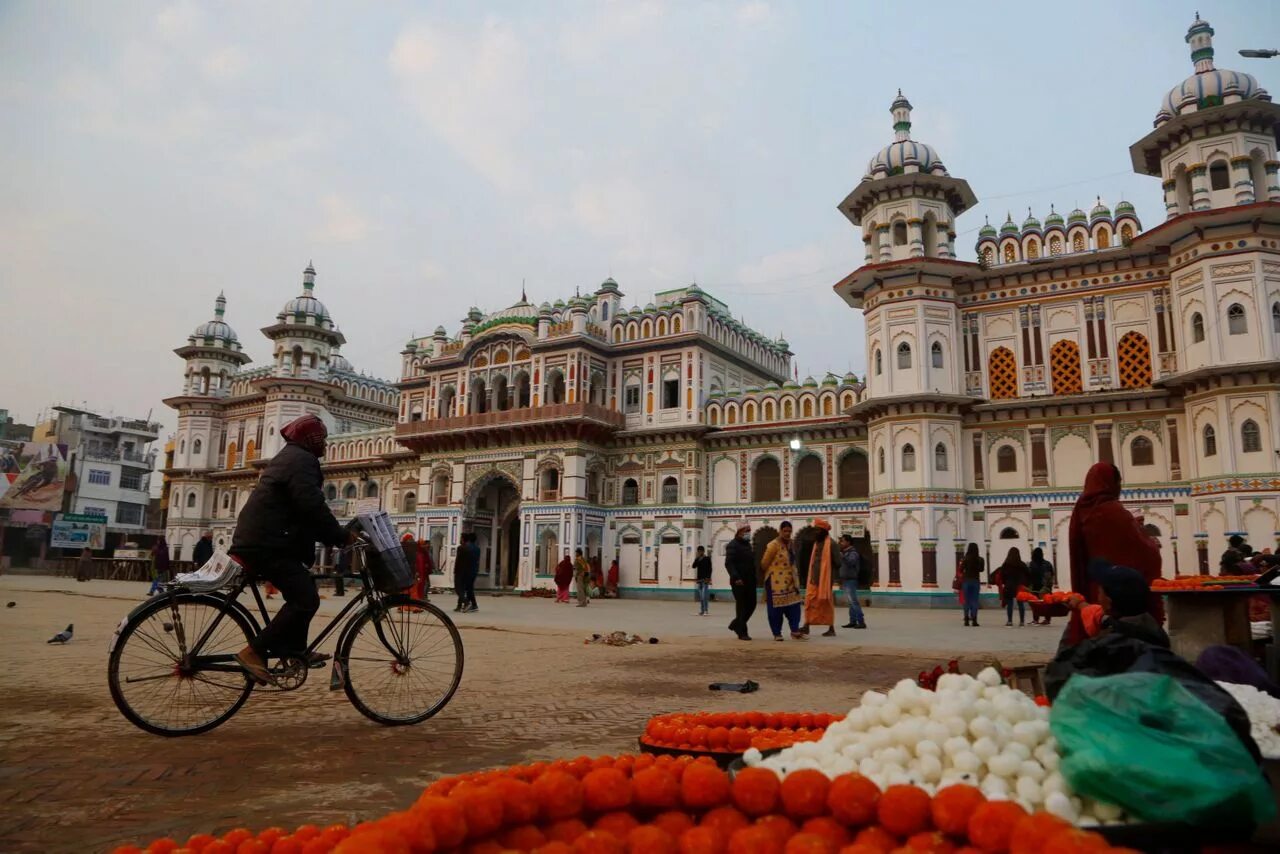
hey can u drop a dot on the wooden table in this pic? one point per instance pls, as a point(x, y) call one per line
point(1199, 619)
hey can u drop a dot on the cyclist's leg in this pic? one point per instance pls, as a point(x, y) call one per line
point(287, 631)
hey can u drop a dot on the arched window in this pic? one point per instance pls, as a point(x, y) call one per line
point(789, 408)
point(1197, 328)
point(904, 356)
point(232, 455)
point(662, 326)
point(1275, 317)
point(555, 393)
point(828, 406)
point(1104, 238)
point(899, 233)
point(446, 402)
point(1006, 459)
point(767, 481)
point(1064, 367)
point(879, 363)
point(880, 461)
point(479, 396)
point(440, 489)
point(551, 484)
point(226, 497)
point(1009, 534)
point(1133, 358)
point(908, 457)
point(853, 477)
point(196, 446)
point(935, 353)
point(1210, 441)
point(1077, 242)
point(676, 325)
point(939, 457)
point(1055, 245)
point(749, 413)
point(770, 411)
point(670, 490)
point(1002, 374)
point(809, 479)
point(1126, 233)
point(630, 492)
point(807, 407)
point(1237, 323)
point(330, 493)
point(1033, 249)
point(410, 502)
point(1009, 255)
point(988, 256)
point(1142, 452)
point(191, 499)
point(349, 492)
point(371, 489)
point(1219, 179)
point(1250, 437)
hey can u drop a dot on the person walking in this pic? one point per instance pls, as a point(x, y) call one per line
point(1013, 577)
point(582, 577)
point(563, 578)
point(1102, 527)
point(597, 577)
point(781, 585)
point(466, 565)
point(159, 565)
point(740, 563)
point(84, 565)
point(850, 567)
point(611, 580)
point(203, 551)
point(702, 574)
point(1041, 580)
point(423, 566)
point(819, 602)
point(971, 570)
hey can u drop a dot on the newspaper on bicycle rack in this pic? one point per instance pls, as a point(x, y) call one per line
point(221, 570)
point(382, 536)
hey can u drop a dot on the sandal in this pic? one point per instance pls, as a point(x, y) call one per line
point(255, 670)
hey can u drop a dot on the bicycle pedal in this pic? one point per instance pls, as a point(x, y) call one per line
point(337, 677)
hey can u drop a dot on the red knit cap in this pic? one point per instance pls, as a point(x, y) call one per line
point(308, 432)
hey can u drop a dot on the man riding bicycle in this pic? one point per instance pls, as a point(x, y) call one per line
point(275, 537)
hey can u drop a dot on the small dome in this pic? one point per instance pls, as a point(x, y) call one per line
point(338, 362)
point(216, 330)
point(410, 346)
point(1054, 218)
point(753, 389)
point(650, 307)
point(1075, 216)
point(608, 285)
point(558, 304)
point(831, 379)
point(1124, 208)
point(772, 386)
point(903, 152)
point(1100, 211)
point(987, 230)
point(782, 342)
point(693, 289)
point(791, 384)
point(810, 382)
point(441, 332)
point(1208, 86)
point(521, 311)
point(1009, 227)
point(1030, 223)
point(851, 377)
point(545, 308)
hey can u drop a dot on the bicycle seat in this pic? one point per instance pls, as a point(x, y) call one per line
point(221, 570)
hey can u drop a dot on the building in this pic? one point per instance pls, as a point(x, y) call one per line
point(12, 431)
point(643, 433)
point(111, 462)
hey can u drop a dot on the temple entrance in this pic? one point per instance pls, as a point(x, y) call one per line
point(494, 516)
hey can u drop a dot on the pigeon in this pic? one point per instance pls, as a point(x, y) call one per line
point(11, 604)
point(62, 636)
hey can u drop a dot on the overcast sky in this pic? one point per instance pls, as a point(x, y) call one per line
point(428, 157)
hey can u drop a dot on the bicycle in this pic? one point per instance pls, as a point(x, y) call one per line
point(172, 668)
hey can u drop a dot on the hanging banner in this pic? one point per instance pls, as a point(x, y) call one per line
point(34, 476)
point(76, 531)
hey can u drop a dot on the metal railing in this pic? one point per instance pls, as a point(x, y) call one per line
point(510, 417)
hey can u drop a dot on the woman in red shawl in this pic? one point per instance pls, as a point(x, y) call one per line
point(563, 577)
point(1101, 527)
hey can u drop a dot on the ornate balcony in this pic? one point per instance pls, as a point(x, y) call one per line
point(527, 424)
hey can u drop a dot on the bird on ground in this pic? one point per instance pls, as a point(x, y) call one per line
point(11, 604)
point(62, 636)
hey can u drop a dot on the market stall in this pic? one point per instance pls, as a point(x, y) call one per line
point(1209, 610)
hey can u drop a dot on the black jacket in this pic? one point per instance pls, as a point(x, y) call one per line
point(702, 566)
point(202, 552)
point(286, 514)
point(740, 561)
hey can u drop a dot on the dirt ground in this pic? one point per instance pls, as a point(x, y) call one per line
point(75, 776)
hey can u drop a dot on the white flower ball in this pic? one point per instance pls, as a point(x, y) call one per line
point(1106, 812)
point(1060, 805)
point(1018, 749)
point(909, 732)
point(752, 756)
point(994, 784)
point(928, 747)
point(869, 767)
point(982, 728)
point(873, 698)
point(1004, 765)
point(966, 761)
point(936, 732)
point(990, 676)
point(929, 768)
point(955, 745)
point(950, 682)
point(1054, 782)
point(1032, 770)
point(957, 725)
point(890, 713)
point(985, 748)
point(1029, 790)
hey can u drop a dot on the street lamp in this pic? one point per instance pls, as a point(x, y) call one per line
point(1260, 54)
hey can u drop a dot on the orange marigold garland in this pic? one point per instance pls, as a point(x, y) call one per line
point(729, 733)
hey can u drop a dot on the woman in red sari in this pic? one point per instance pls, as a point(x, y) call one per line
point(1102, 527)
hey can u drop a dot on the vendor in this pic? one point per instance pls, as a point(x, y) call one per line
point(1123, 606)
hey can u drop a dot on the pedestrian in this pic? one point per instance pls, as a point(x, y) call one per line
point(1102, 527)
point(203, 551)
point(702, 574)
point(423, 566)
point(1041, 579)
point(159, 565)
point(611, 580)
point(740, 563)
point(582, 577)
point(84, 564)
point(781, 585)
point(563, 578)
point(1012, 580)
point(466, 567)
point(1237, 552)
point(597, 577)
point(819, 602)
point(850, 567)
point(1124, 600)
point(971, 570)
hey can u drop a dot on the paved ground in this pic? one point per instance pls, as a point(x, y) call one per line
point(75, 776)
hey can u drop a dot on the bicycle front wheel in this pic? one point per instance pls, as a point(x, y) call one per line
point(402, 660)
point(162, 683)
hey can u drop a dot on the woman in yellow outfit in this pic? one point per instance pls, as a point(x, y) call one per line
point(781, 584)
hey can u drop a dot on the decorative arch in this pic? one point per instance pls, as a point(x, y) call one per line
point(713, 415)
point(853, 475)
point(1002, 374)
point(766, 479)
point(809, 478)
point(1064, 367)
point(770, 410)
point(1133, 360)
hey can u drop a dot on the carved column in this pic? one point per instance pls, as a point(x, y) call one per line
point(979, 482)
point(1199, 174)
point(1272, 168)
point(886, 248)
point(915, 237)
point(1039, 459)
point(943, 240)
point(929, 563)
point(1202, 554)
point(1170, 199)
point(895, 566)
point(875, 564)
point(1242, 181)
point(1105, 453)
point(1175, 454)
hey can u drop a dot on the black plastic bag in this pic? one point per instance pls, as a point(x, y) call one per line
point(1108, 655)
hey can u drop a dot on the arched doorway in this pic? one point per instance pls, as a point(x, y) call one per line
point(493, 514)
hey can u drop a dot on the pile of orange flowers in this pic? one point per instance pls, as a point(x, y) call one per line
point(1056, 597)
point(675, 805)
point(734, 732)
point(1204, 582)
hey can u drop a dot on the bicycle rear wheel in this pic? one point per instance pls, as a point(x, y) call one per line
point(403, 661)
point(155, 682)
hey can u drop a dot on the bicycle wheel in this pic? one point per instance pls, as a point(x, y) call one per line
point(158, 686)
point(402, 660)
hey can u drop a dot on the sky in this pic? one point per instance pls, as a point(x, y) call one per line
point(428, 157)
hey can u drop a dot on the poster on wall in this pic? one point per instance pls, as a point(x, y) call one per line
point(34, 476)
point(76, 531)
